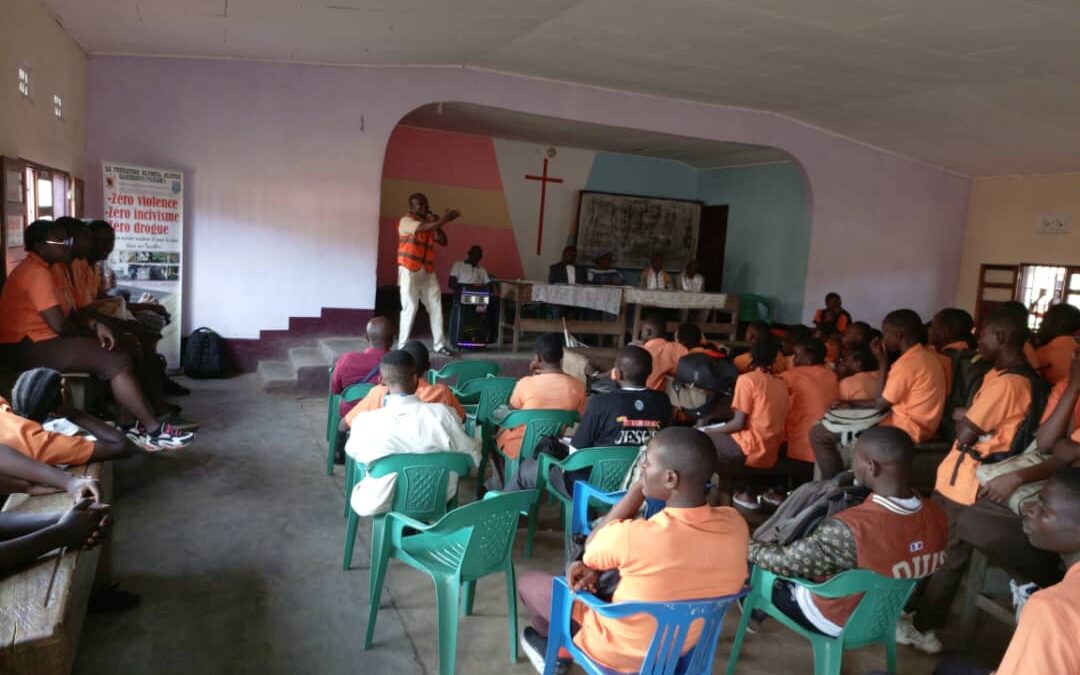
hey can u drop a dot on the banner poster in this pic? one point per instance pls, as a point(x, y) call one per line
point(146, 208)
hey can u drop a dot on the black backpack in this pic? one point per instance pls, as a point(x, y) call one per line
point(968, 371)
point(1025, 433)
point(204, 356)
point(808, 506)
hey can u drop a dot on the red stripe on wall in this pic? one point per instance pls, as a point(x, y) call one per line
point(501, 257)
point(442, 157)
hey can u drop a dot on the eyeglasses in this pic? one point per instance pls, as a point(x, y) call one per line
point(69, 242)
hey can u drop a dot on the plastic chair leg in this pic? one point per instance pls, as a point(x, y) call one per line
point(740, 633)
point(447, 595)
point(481, 472)
point(530, 533)
point(469, 589)
point(378, 564)
point(511, 610)
point(331, 443)
point(350, 479)
point(382, 555)
point(350, 538)
point(890, 652)
point(828, 655)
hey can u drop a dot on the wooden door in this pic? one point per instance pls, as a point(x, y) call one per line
point(712, 241)
point(997, 285)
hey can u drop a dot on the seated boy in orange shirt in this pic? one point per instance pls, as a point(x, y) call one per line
point(986, 428)
point(548, 388)
point(1057, 337)
point(951, 333)
point(911, 388)
point(751, 439)
point(758, 330)
point(860, 377)
point(426, 392)
point(665, 353)
point(688, 551)
point(813, 389)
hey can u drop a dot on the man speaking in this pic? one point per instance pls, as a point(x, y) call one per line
point(418, 233)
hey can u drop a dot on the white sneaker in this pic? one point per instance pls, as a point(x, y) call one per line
point(1020, 595)
point(907, 634)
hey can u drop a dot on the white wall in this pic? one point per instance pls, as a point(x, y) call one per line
point(284, 163)
point(32, 39)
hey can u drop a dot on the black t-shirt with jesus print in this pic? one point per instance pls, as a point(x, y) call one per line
point(628, 417)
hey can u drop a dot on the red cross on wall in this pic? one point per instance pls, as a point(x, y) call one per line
point(544, 180)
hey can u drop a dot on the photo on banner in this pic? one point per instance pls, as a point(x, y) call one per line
point(145, 206)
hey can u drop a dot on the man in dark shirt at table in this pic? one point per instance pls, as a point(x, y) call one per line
point(566, 271)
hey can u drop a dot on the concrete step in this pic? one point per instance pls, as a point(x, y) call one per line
point(333, 347)
point(275, 375)
point(312, 369)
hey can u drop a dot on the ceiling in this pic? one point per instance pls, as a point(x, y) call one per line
point(477, 119)
point(981, 86)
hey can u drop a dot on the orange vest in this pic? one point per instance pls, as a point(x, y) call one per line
point(416, 249)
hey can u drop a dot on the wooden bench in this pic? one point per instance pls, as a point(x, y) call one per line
point(42, 606)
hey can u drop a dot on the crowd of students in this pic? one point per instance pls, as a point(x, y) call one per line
point(839, 395)
point(59, 314)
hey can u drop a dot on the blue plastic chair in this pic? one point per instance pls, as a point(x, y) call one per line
point(586, 495)
point(668, 653)
point(872, 622)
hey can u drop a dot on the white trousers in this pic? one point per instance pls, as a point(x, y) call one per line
point(416, 287)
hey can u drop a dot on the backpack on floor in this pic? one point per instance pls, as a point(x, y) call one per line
point(808, 506)
point(204, 356)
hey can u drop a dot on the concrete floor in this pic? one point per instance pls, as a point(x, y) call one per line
point(235, 545)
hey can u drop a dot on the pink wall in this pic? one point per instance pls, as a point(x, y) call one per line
point(284, 165)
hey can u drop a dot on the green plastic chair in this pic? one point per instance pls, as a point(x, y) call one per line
point(464, 371)
point(464, 545)
point(872, 622)
point(538, 424)
point(353, 392)
point(607, 468)
point(468, 394)
point(419, 492)
point(495, 392)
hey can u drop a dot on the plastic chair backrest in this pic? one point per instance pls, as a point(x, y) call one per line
point(355, 392)
point(465, 371)
point(673, 623)
point(494, 392)
point(878, 610)
point(420, 489)
point(539, 424)
point(584, 494)
point(608, 465)
point(491, 524)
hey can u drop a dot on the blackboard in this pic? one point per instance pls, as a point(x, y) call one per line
point(635, 228)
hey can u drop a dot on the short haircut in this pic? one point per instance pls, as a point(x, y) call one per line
point(814, 348)
point(1063, 319)
point(396, 367)
point(763, 352)
point(417, 195)
point(1069, 480)
point(864, 360)
point(656, 323)
point(760, 327)
point(634, 364)
point(570, 248)
point(419, 352)
point(688, 452)
point(37, 232)
point(688, 334)
point(908, 321)
point(798, 333)
point(1011, 324)
point(73, 226)
point(860, 327)
point(97, 225)
point(831, 295)
point(957, 321)
point(549, 347)
point(888, 445)
point(36, 394)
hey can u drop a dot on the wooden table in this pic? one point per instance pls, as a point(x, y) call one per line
point(43, 605)
point(521, 292)
point(720, 302)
